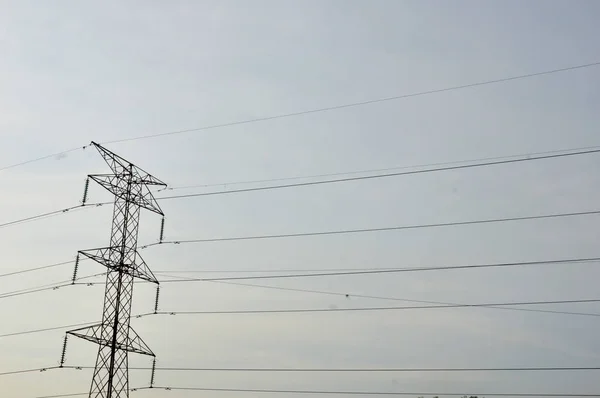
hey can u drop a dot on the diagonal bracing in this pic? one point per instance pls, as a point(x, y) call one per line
point(114, 335)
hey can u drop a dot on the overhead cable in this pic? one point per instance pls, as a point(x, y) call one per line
point(523, 155)
point(357, 104)
point(52, 155)
point(382, 175)
point(380, 229)
point(369, 309)
point(327, 392)
point(352, 295)
point(35, 269)
point(361, 370)
point(62, 327)
point(389, 271)
point(50, 286)
point(49, 214)
point(16, 372)
point(348, 179)
point(77, 394)
point(321, 110)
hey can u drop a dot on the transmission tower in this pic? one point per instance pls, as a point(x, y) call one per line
point(130, 186)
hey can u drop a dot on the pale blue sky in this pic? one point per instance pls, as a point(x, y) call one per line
point(75, 71)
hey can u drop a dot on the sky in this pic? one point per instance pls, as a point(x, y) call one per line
point(77, 71)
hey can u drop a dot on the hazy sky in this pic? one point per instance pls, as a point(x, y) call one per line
point(75, 71)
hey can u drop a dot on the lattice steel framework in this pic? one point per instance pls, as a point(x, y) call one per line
point(130, 186)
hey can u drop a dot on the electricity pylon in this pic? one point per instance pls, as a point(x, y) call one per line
point(130, 186)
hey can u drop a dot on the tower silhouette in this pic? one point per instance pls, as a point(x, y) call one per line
point(130, 186)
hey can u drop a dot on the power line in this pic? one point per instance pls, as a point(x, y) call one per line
point(349, 295)
point(51, 286)
point(550, 155)
point(43, 288)
point(356, 104)
point(62, 327)
point(167, 273)
point(564, 261)
point(369, 309)
point(380, 229)
point(16, 372)
point(388, 271)
point(360, 370)
point(48, 214)
point(523, 159)
point(352, 295)
point(58, 154)
point(52, 328)
point(43, 267)
point(24, 292)
point(532, 154)
point(310, 183)
point(46, 329)
point(320, 110)
point(35, 269)
point(33, 289)
point(355, 231)
point(64, 395)
point(266, 271)
point(324, 392)
point(383, 175)
point(309, 273)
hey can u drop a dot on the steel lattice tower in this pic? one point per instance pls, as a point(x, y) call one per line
point(130, 186)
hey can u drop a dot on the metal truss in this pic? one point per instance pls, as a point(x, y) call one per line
point(130, 186)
